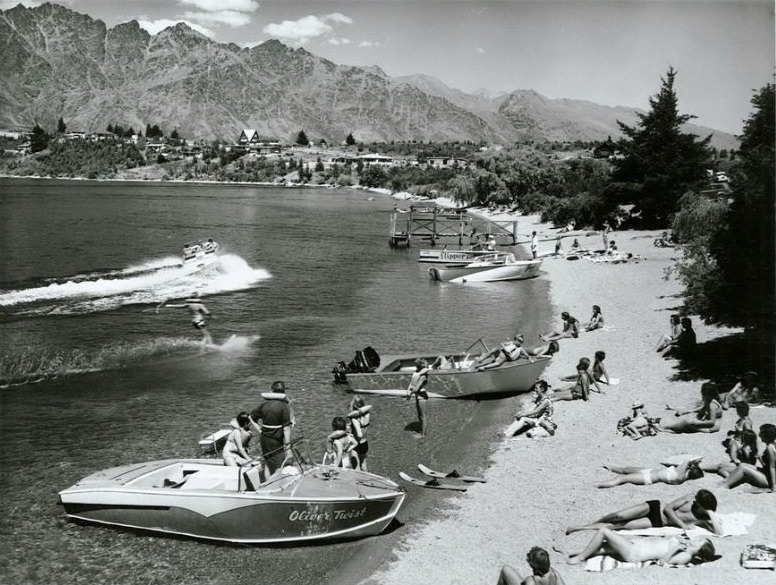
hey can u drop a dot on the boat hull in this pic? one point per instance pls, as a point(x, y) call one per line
point(510, 377)
point(520, 270)
point(323, 503)
point(451, 256)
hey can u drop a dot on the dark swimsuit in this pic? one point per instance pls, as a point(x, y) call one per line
point(655, 513)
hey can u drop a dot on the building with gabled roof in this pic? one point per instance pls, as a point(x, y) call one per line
point(248, 136)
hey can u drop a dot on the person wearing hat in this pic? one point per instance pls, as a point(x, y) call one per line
point(199, 315)
point(417, 390)
point(639, 423)
point(491, 243)
point(273, 420)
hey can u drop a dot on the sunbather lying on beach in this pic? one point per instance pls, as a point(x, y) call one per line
point(673, 475)
point(637, 425)
point(698, 509)
point(550, 349)
point(704, 419)
point(582, 386)
point(763, 477)
point(673, 550)
point(543, 574)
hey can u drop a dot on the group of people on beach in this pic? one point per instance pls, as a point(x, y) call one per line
point(746, 462)
point(272, 420)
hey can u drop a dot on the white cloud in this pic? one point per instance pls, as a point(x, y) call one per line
point(157, 26)
point(223, 5)
point(369, 44)
point(230, 17)
point(480, 50)
point(338, 18)
point(307, 28)
point(8, 4)
point(339, 41)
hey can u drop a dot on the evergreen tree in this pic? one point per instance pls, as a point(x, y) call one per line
point(61, 126)
point(38, 139)
point(660, 162)
point(744, 247)
point(319, 165)
point(350, 141)
point(301, 138)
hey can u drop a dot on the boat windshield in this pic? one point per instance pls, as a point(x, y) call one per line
point(477, 348)
point(298, 454)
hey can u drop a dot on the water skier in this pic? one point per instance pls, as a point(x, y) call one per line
point(199, 315)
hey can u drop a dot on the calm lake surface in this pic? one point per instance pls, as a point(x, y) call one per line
point(92, 377)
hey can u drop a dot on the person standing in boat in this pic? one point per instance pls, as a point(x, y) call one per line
point(273, 419)
point(199, 315)
point(417, 390)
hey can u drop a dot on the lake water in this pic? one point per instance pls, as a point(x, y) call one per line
point(94, 378)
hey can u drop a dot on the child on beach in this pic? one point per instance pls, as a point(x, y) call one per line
point(542, 573)
point(637, 425)
point(674, 550)
point(341, 445)
point(673, 475)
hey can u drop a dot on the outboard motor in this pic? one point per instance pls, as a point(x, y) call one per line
point(365, 361)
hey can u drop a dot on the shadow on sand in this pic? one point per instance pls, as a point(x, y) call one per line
point(723, 359)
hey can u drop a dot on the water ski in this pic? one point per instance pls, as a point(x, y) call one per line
point(432, 483)
point(450, 475)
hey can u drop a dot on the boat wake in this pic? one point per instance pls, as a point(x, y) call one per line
point(35, 365)
point(150, 282)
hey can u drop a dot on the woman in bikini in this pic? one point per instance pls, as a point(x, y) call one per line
point(582, 386)
point(672, 551)
point(235, 450)
point(704, 419)
point(676, 329)
point(542, 573)
point(673, 475)
point(764, 476)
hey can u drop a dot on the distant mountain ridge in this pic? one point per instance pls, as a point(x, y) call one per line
point(57, 62)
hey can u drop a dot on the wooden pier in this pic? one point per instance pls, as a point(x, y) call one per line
point(433, 223)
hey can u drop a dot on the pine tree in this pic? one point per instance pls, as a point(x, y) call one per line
point(660, 162)
point(61, 126)
point(38, 139)
point(350, 141)
point(301, 138)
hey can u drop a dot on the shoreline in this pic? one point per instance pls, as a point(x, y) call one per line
point(536, 488)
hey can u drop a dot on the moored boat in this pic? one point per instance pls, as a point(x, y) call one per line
point(391, 374)
point(198, 255)
point(202, 498)
point(446, 256)
point(488, 269)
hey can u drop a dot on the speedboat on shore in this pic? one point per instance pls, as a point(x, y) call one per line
point(203, 498)
point(198, 255)
point(370, 373)
point(488, 269)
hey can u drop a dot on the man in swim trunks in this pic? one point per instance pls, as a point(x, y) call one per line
point(690, 510)
point(199, 315)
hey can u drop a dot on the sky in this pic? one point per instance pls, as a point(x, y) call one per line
point(608, 52)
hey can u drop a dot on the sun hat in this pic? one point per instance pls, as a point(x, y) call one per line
point(637, 404)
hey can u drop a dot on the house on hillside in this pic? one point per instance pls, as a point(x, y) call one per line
point(447, 162)
point(248, 137)
point(376, 159)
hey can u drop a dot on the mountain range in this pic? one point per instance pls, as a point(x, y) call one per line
point(55, 62)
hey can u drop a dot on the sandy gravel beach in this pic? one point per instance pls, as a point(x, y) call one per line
point(536, 488)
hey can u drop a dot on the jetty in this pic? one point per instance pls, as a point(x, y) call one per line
point(433, 223)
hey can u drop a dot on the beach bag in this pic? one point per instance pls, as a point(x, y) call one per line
point(548, 425)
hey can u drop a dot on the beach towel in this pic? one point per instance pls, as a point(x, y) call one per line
point(602, 563)
point(759, 556)
point(733, 524)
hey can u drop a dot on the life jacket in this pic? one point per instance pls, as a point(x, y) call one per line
point(335, 437)
point(361, 416)
point(283, 397)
